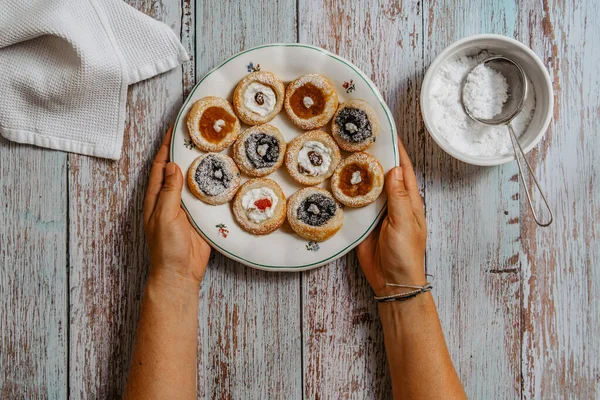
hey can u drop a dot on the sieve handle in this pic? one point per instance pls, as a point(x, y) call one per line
point(520, 157)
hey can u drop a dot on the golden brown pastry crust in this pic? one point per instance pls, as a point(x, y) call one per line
point(193, 124)
point(314, 233)
point(268, 79)
point(370, 165)
point(330, 97)
point(293, 149)
point(241, 158)
point(222, 197)
point(269, 225)
point(373, 120)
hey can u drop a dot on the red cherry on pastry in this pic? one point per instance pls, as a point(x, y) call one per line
point(263, 204)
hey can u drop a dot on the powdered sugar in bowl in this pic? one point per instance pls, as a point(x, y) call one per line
point(468, 140)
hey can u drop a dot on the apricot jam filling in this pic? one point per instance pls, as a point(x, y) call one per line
point(299, 104)
point(355, 180)
point(211, 129)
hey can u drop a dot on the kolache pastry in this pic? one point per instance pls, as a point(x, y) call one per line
point(259, 150)
point(212, 124)
point(258, 98)
point(310, 101)
point(312, 157)
point(260, 206)
point(358, 180)
point(355, 126)
point(314, 214)
point(213, 178)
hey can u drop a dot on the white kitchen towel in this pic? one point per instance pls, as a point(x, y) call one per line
point(65, 66)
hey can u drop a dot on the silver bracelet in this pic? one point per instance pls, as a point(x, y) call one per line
point(405, 295)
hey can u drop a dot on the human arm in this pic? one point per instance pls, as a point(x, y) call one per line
point(164, 358)
point(419, 362)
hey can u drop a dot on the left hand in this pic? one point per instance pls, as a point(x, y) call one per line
point(395, 251)
point(178, 253)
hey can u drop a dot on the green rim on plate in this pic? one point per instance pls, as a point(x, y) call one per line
point(346, 249)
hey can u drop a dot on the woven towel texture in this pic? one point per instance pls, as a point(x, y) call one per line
point(65, 66)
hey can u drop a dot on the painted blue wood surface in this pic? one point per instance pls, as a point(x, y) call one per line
point(519, 304)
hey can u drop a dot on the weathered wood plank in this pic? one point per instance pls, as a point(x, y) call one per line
point(561, 286)
point(249, 339)
point(108, 252)
point(188, 40)
point(33, 267)
point(249, 342)
point(343, 352)
point(473, 219)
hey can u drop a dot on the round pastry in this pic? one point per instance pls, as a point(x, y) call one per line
point(258, 97)
point(314, 214)
point(212, 124)
point(259, 150)
point(312, 157)
point(355, 126)
point(259, 206)
point(213, 178)
point(310, 101)
point(358, 180)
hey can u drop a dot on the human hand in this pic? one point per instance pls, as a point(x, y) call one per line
point(395, 251)
point(178, 254)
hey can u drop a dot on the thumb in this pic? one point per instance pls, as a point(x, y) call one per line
point(169, 197)
point(399, 206)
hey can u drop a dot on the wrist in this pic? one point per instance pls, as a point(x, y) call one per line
point(413, 277)
point(173, 280)
point(415, 307)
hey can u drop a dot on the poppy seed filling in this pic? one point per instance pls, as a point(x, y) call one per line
point(212, 176)
point(354, 125)
point(255, 145)
point(316, 209)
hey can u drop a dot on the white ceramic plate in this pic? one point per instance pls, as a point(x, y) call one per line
point(283, 250)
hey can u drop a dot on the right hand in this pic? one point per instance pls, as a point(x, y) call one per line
point(395, 251)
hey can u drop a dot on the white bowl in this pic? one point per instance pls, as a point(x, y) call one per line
point(535, 70)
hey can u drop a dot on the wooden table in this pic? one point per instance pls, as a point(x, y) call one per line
point(519, 304)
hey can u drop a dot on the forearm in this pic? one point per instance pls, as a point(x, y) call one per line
point(419, 362)
point(164, 359)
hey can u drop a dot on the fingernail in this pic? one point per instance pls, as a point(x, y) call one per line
point(170, 169)
point(399, 176)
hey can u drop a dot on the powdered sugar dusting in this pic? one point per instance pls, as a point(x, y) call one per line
point(354, 125)
point(456, 127)
point(485, 92)
point(251, 115)
point(316, 209)
point(267, 78)
point(317, 80)
point(213, 175)
point(264, 143)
